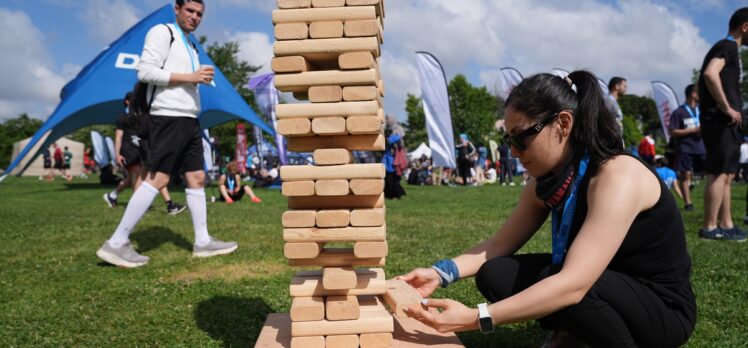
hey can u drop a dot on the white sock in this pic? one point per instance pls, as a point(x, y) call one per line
point(136, 207)
point(199, 212)
point(113, 194)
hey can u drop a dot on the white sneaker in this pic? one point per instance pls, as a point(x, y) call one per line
point(124, 256)
point(214, 248)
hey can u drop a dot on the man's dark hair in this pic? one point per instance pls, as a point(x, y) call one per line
point(738, 18)
point(182, 2)
point(614, 82)
point(689, 90)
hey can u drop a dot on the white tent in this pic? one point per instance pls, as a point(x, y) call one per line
point(422, 149)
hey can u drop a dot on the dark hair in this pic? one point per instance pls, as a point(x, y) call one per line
point(662, 162)
point(181, 3)
point(738, 18)
point(614, 82)
point(689, 90)
point(595, 129)
point(128, 98)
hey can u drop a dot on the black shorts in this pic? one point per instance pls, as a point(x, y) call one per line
point(689, 162)
point(235, 196)
point(47, 164)
point(722, 144)
point(58, 165)
point(131, 154)
point(175, 145)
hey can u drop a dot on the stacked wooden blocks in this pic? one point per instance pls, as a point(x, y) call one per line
point(327, 52)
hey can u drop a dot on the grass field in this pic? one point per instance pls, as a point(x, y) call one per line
point(54, 292)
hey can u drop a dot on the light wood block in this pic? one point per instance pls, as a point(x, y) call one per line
point(362, 2)
point(362, 142)
point(356, 60)
point(380, 87)
point(342, 341)
point(302, 250)
point(297, 188)
point(327, 157)
point(360, 93)
point(328, 3)
point(308, 342)
point(368, 282)
point(294, 127)
point(367, 186)
point(291, 31)
point(367, 217)
point(333, 218)
point(332, 188)
point(359, 125)
point(301, 82)
point(341, 308)
point(325, 109)
point(326, 30)
point(358, 28)
point(309, 15)
point(287, 4)
point(335, 202)
point(325, 94)
point(337, 257)
point(370, 321)
point(299, 218)
point(326, 49)
point(345, 171)
point(376, 340)
point(339, 278)
point(290, 64)
point(342, 234)
point(370, 249)
point(329, 126)
point(307, 308)
point(399, 295)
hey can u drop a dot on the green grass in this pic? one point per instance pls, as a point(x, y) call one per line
point(55, 292)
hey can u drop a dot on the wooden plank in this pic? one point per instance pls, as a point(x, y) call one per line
point(367, 186)
point(359, 28)
point(325, 94)
point(290, 64)
point(307, 308)
point(341, 341)
point(360, 93)
point(328, 3)
point(380, 87)
point(368, 282)
point(297, 188)
point(363, 142)
point(337, 257)
point(291, 31)
point(327, 157)
point(336, 202)
point(329, 126)
point(399, 295)
point(341, 308)
point(326, 30)
point(370, 321)
point(301, 82)
point(309, 15)
point(332, 188)
point(345, 171)
point(332, 218)
point(298, 218)
point(295, 127)
point(343, 234)
point(359, 125)
point(376, 340)
point(288, 4)
point(370, 249)
point(308, 342)
point(302, 250)
point(339, 278)
point(324, 49)
point(326, 109)
point(367, 217)
point(356, 60)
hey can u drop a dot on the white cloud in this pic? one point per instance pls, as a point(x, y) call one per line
point(255, 48)
point(108, 20)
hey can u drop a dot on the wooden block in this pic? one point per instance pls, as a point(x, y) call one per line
point(370, 249)
point(376, 340)
point(333, 218)
point(327, 157)
point(325, 94)
point(287, 4)
point(367, 217)
point(298, 218)
point(399, 295)
point(294, 127)
point(367, 186)
point(343, 234)
point(290, 64)
point(297, 188)
point(337, 257)
point(378, 5)
point(345, 171)
point(363, 142)
point(356, 60)
point(360, 93)
point(370, 321)
point(359, 125)
point(309, 15)
point(326, 30)
point(325, 49)
point(341, 308)
point(341, 341)
point(325, 109)
point(380, 87)
point(291, 31)
point(368, 282)
point(358, 28)
point(329, 126)
point(302, 250)
point(339, 278)
point(307, 309)
point(301, 82)
point(328, 3)
point(336, 202)
point(308, 342)
point(331, 188)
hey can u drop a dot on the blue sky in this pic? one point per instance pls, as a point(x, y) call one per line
point(44, 43)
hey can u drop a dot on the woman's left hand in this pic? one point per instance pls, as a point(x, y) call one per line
point(454, 316)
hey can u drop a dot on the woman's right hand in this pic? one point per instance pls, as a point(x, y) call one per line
point(425, 280)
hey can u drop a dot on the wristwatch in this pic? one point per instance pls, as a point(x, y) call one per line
point(484, 319)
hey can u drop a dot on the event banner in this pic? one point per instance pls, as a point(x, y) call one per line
point(436, 107)
point(508, 78)
point(101, 155)
point(266, 96)
point(241, 147)
point(666, 101)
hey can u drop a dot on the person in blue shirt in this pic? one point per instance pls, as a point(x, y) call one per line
point(668, 176)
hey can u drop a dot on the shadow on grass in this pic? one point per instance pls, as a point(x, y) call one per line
point(78, 186)
point(153, 237)
point(235, 321)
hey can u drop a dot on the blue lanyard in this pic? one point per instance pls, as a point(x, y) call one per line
point(561, 220)
point(231, 182)
point(695, 113)
point(186, 45)
point(729, 37)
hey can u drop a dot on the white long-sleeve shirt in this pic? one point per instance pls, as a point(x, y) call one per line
point(181, 100)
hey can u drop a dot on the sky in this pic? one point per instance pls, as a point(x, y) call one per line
point(45, 43)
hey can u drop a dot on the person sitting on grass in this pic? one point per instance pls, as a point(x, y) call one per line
point(618, 274)
point(668, 176)
point(230, 185)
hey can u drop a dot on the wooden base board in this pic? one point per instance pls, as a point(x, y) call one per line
point(409, 333)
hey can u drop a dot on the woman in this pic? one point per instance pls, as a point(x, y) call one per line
point(230, 185)
point(618, 274)
point(394, 164)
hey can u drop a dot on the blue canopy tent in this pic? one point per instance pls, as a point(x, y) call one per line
point(95, 95)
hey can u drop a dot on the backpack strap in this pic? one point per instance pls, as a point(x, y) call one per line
point(171, 41)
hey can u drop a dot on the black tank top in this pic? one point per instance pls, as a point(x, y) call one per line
point(654, 250)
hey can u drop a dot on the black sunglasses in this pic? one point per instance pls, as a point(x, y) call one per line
point(518, 140)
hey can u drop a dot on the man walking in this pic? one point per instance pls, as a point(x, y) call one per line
point(685, 128)
point(170, 63)
point(719, 91)
point(617, 87)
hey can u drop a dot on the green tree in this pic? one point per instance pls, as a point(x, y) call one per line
point(416, 124)
point(13, 130)
point(474, 110)
point(640, 108)
point(83, 135)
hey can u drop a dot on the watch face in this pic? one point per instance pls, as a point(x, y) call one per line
point(486, 325)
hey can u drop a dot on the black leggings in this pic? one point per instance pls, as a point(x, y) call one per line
point(618, 311)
